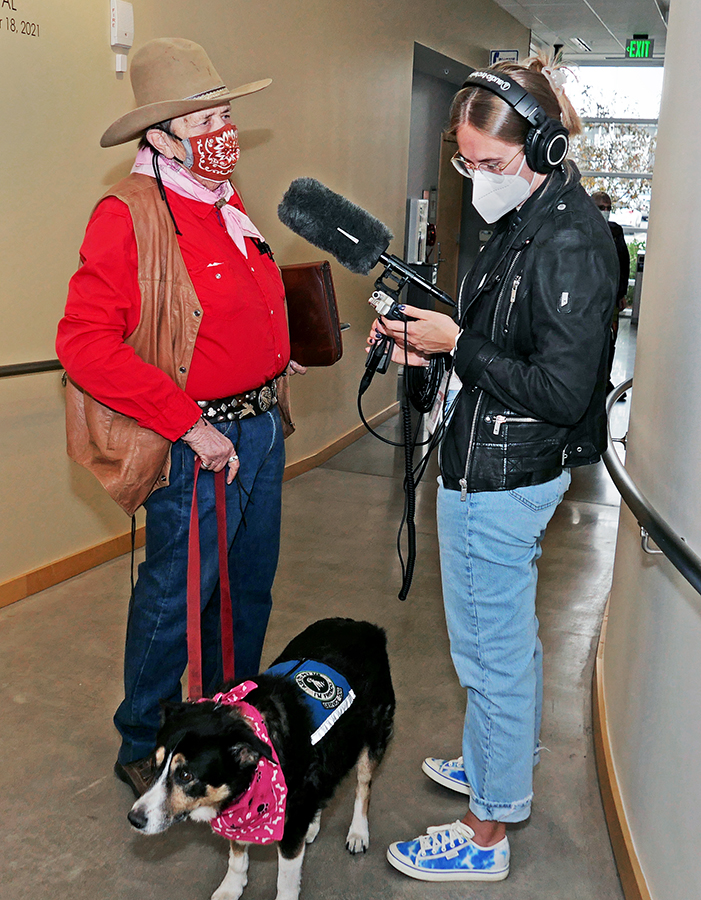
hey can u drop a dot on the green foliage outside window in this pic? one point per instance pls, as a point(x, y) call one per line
point(634, 246)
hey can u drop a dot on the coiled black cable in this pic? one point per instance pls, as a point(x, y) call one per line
point(421, 385)
point(409, 504)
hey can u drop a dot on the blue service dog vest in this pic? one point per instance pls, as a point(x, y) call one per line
point(325, 691)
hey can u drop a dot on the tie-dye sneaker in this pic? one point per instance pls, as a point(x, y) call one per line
point(447, 772)
point(448, 853)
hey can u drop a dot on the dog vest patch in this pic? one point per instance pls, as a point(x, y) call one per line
point(325, 692)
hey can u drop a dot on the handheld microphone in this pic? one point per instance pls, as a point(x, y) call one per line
point(332, 223)
point(354, 237)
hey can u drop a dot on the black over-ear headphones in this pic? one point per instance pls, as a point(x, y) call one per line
point(547, 140)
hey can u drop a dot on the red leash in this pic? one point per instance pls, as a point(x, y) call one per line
point(194, 591)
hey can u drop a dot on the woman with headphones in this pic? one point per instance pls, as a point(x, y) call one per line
point(525, 404)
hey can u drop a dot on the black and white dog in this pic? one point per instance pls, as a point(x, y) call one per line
point(325, 704)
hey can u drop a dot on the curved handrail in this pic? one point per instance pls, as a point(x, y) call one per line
point(31, 368)
point(651, 522)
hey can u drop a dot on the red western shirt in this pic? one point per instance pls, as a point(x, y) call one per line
point(242, 340)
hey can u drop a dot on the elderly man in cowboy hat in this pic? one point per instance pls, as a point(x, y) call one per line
point(173, 338)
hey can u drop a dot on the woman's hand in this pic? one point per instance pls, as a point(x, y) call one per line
point(400, 355)
point(432, 332)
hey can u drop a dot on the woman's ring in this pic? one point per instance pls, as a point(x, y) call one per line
point(233, 458)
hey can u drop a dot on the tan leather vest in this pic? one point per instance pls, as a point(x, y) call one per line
point(128, 460)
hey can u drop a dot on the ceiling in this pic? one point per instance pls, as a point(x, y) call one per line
point(603, 25)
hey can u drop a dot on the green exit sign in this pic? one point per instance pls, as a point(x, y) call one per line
point(639, 47)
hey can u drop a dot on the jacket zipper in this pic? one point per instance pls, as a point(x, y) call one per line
point(509, 420)
point(512, 300)
point(478, 405)
point(500, 299)
point(473, 426)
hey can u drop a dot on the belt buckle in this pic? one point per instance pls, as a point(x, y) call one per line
point(266, 396)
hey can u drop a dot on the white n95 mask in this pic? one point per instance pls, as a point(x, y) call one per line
point(495, 194)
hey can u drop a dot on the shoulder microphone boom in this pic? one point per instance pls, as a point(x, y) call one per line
point(355, 238)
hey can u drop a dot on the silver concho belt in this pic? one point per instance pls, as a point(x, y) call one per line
point(240, 406)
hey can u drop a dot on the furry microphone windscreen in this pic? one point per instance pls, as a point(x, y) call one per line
point(334, 224)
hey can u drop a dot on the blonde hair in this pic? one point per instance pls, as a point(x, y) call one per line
point(490, 114)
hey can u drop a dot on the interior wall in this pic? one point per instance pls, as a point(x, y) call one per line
point(338, 110)
point(652, 660)
point(430, 104)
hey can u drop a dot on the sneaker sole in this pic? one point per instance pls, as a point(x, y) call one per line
point(444, 781)
point(427, 875)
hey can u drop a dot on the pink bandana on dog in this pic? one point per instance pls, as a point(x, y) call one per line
point(258, 815)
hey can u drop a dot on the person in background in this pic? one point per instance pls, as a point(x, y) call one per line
point(602, 201)
point(174, 340)
point(525, 405)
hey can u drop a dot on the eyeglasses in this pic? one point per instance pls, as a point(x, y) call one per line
point(604, 207)
point(468, 169)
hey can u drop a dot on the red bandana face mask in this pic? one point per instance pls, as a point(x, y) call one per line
point(214, 155)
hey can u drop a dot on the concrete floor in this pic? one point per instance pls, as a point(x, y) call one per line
point(64, 831)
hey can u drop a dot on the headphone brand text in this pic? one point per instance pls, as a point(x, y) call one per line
point(492, 78)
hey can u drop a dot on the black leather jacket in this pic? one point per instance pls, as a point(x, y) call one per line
point(533, 353)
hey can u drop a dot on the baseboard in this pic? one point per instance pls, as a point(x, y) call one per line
point(632, 878)
point(63, 569)
point(39, 579)
point(318, 459)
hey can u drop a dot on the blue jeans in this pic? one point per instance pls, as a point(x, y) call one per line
point(155, 655)
point(489, 545)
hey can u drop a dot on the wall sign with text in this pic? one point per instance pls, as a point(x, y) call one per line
point(640, 46)
point(12, 23)
point(497, 56)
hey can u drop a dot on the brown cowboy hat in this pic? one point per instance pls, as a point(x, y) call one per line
point(172, 77)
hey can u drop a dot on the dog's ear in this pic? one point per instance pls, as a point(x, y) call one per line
point(247, 752)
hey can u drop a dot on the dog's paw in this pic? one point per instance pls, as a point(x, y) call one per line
point(358, 841)
point(225, 892)
point(231, 888)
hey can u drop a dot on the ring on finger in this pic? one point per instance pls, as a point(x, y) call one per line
point(233, 458)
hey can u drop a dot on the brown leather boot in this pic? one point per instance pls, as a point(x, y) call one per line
point(139, 775)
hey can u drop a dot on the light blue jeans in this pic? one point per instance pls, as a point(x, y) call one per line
point(489, 545)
